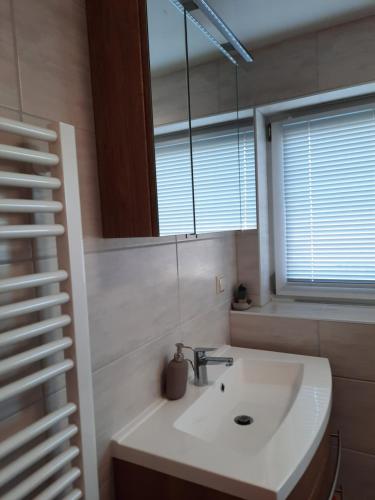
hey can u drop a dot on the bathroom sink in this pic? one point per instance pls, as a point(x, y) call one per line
point(250, 433)
point(262, 391)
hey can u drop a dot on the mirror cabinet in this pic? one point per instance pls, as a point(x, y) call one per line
point(175, 153)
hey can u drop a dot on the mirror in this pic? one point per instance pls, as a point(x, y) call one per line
point(171, 118)
point(214, 133)
point(204, 154)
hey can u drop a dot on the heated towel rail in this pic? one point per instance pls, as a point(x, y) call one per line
point(53, 456)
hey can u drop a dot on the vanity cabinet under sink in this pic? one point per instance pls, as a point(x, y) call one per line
point(135, 482)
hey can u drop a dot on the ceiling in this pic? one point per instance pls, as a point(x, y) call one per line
point(255, 22)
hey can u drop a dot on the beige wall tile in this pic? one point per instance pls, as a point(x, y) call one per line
point(346, 54)
point(18, 403)
point(210, 329)
point(169, 98)
point(297, 336)
point(199, 262)
point(205, 89)
point(248, 261)
point(227, 86)
point(280, 71)
point(88, 184)
point(353, 413)
point(132, 297)
point(53, 59)
point(8, 66)
point(358, 475)
point(350, 348)
point(125, 388)
point(213, 91)
point(21, 419)
point(106, 489)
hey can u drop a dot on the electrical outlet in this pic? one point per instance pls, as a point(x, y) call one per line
point(220, 284)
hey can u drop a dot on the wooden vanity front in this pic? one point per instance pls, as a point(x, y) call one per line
point(133, 482)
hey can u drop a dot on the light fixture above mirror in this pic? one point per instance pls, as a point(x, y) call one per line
point(232, 45)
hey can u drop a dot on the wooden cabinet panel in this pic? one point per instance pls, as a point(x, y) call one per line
point(134, 482)
point(119, 59)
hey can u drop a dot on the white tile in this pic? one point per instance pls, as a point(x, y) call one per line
point(199, 262)
point(54, 61)
point(210, 329)
point(132, 299)
point(169, 98)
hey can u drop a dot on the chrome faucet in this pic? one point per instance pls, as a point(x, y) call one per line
point(201, 361)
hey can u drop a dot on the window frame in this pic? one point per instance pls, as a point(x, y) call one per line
point(347, 292)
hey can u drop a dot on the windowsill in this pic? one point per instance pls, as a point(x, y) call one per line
point(309, 310)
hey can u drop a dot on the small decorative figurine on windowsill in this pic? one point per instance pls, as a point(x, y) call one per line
point(241, 301)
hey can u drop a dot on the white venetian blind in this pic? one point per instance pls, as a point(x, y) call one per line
point(329, 198)
point(174, 186)
point(224, 181)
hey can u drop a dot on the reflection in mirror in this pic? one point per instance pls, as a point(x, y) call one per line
point(222, 145)
point(204, 155)
point(171, 118)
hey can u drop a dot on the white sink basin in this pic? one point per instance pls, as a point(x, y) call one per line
point(262, 390)
point(288, 398)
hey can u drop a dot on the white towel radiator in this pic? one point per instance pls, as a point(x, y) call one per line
point(63, 462)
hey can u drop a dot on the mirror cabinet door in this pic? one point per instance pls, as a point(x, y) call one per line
point(214, 130)
point(171, 118)
point(204, 155)
point(246, 143)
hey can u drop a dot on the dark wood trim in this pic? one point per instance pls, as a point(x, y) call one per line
point(317, 478)
point(121, 86)
point(133, 482)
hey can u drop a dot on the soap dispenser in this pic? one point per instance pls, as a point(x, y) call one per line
point(177, 374)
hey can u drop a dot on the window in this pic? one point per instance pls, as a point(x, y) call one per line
point(324, 201)
point(224, 195)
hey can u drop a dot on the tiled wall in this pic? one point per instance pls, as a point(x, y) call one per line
point(350, 348)
point(144, 295)
point(142, 300)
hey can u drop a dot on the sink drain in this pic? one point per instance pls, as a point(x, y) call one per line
point(243, 420)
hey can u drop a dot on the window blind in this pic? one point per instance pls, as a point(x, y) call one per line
point(329, 198)
point(174, 186)
point(224, 181)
